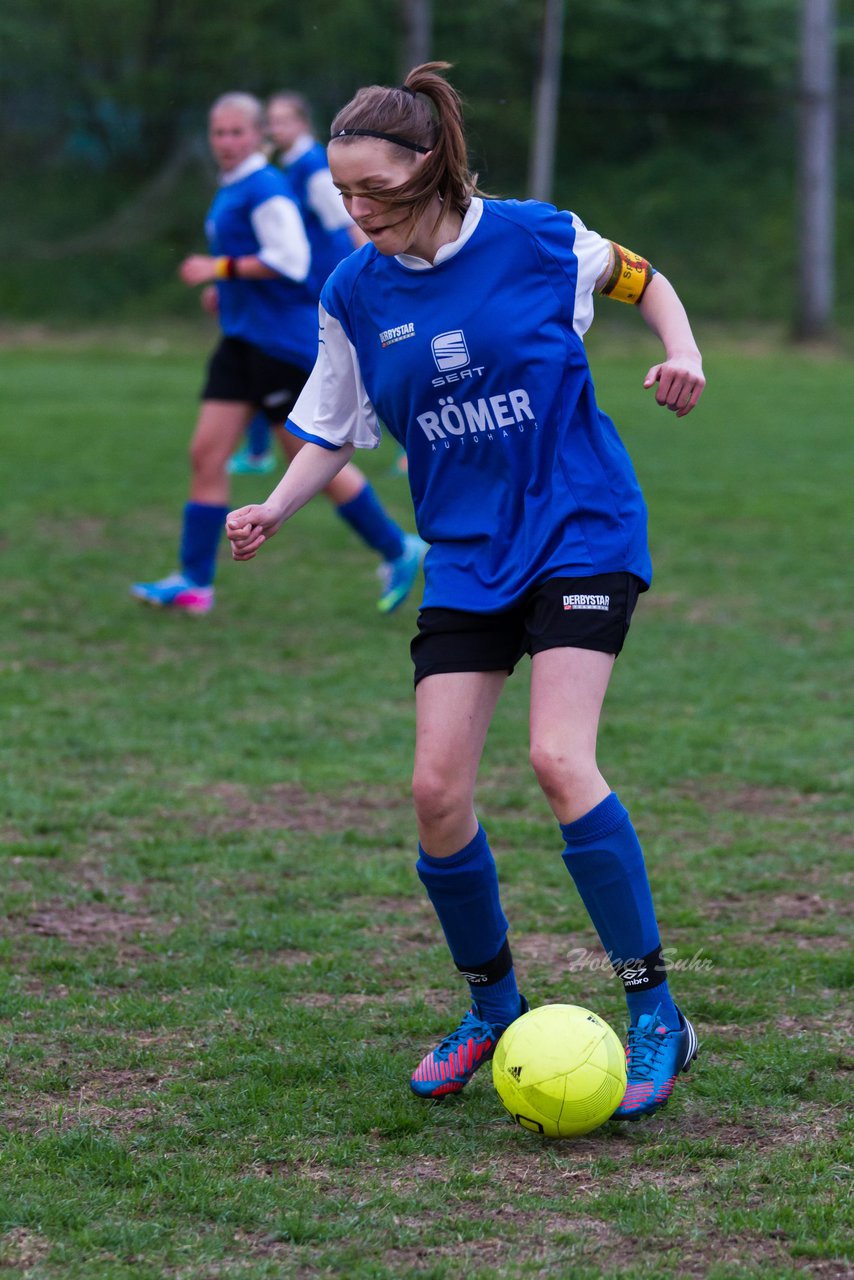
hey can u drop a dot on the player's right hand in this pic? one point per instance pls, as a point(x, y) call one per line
point(248, 528)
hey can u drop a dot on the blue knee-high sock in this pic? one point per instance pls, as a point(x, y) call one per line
point(258, 435)
point(367, 517)
point(604, 858)
point(202, 526)
point(464, 891)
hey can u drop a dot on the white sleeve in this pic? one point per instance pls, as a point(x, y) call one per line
point(281, 235)
point(593, 254)
point(333, 406)
point(324, 199)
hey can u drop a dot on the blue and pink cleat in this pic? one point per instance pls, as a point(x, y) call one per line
point(175, 592)
point(654, 1058)
point(450, 1066)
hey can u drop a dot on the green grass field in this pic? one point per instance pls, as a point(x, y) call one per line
point(218, 965)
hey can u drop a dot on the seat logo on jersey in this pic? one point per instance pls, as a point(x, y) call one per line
point(450, 350)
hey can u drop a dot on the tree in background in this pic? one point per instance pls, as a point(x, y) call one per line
point(675, 121)
point(816, 169)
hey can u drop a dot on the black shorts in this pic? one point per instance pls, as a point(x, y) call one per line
point(239, 371)
point(579, 613)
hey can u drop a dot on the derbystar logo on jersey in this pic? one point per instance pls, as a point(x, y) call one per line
point(389, 336)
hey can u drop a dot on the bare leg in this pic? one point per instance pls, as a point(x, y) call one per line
point(567, 691)
point(219, 426)
point(453, 712)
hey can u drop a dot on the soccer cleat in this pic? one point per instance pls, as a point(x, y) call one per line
point(397, 576)
point(654, 1058)
point(454, 1061)
point(244, 463)
point(175, 592)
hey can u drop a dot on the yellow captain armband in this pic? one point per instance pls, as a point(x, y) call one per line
point(629, 277)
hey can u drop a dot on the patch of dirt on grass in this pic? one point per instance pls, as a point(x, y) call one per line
point(288, 958)
point(503, 1253)
point(351, 1000)
point(782, 803)
point(289, 807)
point(115, 1099)
point(405, 924)
point(23, 1248)
point(560, 953)
point(293, 1259)
point(805, 906)
point(765, 1128)
point(693, 1258)
point(772, 912)
point(52, 1113)
point(94, 924)
point(561, 1169)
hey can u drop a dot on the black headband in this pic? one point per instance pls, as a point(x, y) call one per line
point(387, 137)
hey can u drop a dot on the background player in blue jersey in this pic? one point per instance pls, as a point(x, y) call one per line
point(332, 233)
point(260, 260)
point(460, 327)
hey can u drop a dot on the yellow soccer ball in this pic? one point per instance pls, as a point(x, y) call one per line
point(560, 1070)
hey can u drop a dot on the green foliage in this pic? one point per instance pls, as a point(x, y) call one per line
point(676, 131)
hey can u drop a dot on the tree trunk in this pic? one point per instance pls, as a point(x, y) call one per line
point(816, 170)
point(417, 34)
point(546, 96)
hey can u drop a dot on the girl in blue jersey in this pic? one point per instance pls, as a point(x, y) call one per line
point(460, 327)
point(331, 231)
point(260, 263)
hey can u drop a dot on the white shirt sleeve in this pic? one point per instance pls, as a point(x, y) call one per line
point(281, 235)
point(334, 405)
point(593, 253)
point(324, 199)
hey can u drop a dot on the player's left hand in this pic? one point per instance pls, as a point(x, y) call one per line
point(680, 382)
point(199, 268)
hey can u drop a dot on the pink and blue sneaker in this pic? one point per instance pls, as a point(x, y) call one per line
point(175, 592)
point(654, 1058)
point(450, 1066)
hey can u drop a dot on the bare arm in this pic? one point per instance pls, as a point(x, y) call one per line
point(314, 467)
point(283, 249)
point(203, 268)
point(680, 375)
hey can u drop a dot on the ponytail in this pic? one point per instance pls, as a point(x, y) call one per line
point(424, 115)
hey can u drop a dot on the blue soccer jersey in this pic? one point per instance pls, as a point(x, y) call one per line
point(476, 365)
point(254, 213)
point(326, 219)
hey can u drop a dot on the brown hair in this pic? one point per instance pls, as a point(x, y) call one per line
point(299, 103)
point(426, 112)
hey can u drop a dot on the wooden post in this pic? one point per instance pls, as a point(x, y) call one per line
point(546, 97)
point(417, 34)
point(816, 170)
